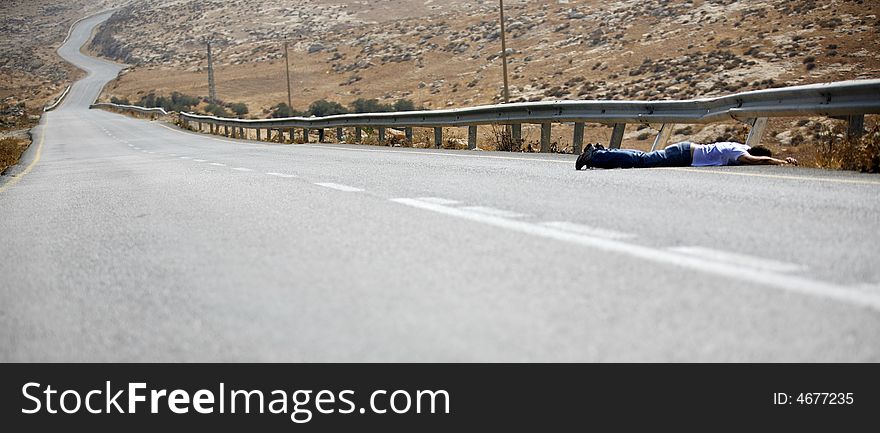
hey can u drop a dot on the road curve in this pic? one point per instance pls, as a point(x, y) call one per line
point(130, 240)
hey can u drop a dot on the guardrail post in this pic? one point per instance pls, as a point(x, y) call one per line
point(340, 135)
point(758, 127)
point(226, 130)
point(241, 133)
point(855, 125)
point(381, 135)
point(662, 136)
point(258, 134)
point(516, 134)
point(577, 142)
point(306, 135)
point(438, 137)
point(358, 135)
point(617, 135)
point(408, 131)
point(320, 135)
point(545, 137)
point(472, 137)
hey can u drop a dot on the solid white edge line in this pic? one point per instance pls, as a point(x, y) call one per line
point(740, 259)
point(790, 283)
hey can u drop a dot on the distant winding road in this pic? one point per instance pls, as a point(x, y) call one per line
point(130, 240)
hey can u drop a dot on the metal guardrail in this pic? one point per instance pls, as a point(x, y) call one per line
point(131, 109)
point(848, 100)
point(58, 101)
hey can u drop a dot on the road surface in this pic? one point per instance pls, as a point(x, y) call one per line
point(130, 240)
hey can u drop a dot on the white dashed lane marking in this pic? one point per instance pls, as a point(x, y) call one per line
point(241, 169)
point(438, 200)
point(491, 211)
point(218, 164)
point(200, 160)
point(339, 187)
point(587, 230)
point(281, 175)
point(185, 157)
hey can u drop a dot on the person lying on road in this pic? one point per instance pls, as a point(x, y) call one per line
point(684, 154)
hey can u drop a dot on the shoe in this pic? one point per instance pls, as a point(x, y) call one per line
point(584, 159)
point(599, 147)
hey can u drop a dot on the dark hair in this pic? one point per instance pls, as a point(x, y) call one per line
point(760, 151)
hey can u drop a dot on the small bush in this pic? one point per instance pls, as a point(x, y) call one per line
point(839, 151)
point(217, 110)
point(323, 107)
point(239, 108)
point(404, 105)
point(119, 101)
point(10, 150)
point(283, 110)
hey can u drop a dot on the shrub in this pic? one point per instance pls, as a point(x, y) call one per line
point(404, 105)
point(119, 101)
point(217, 110)
point(362, 105)
point(283, 110)
point(176, 102)
point(837, 150)
point(239, 108)
point(324, 107)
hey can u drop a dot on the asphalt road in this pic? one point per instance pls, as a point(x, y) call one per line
point(129, 240)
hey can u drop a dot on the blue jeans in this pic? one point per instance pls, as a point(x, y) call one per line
point(675, 155)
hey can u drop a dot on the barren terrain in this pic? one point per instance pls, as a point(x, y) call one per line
point(446, 54)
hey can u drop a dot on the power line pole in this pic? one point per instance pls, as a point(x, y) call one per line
point(504, 52)
point(212, 88)
point(287, 68)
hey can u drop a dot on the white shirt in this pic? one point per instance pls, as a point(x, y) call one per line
point(723, 153)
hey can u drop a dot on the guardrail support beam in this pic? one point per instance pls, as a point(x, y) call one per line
point(438, 137)
point(408, 131)
point(472, 137)
point(340, 135)
point(516, 135)
point(545, 137)
point(226, 130)
point(617, 135)
point(757, 131)
point(381, 135)
point(258, 135)
point(321, 135)
point(577, 142)
point(358, 135)
point(662, 137)
point(305, 135)
point(855, 125)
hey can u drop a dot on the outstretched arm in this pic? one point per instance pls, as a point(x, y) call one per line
point(748, 159)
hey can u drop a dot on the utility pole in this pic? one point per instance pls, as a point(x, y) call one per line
point(504, 52)
point(287, 68)
point(212, 88)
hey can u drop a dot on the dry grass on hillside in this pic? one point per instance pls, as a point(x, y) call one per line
point(11, 149)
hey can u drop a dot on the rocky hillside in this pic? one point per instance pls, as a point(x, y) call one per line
point(447, 54)
point(30, 31)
